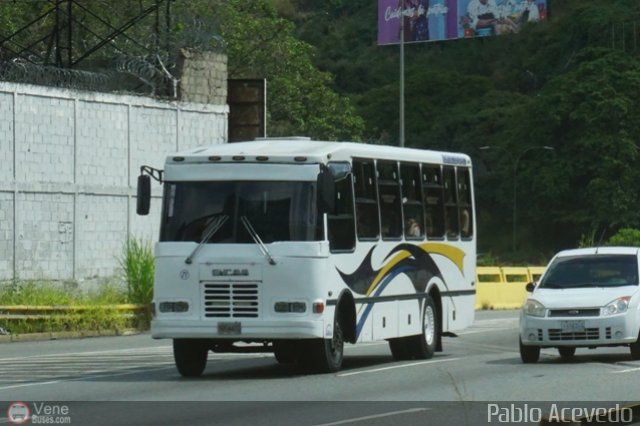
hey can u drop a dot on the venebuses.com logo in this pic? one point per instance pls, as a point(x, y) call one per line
point(39, 413)
point(18, 413)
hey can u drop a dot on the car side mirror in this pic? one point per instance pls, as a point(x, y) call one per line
point(530, 287)
point(144, 195)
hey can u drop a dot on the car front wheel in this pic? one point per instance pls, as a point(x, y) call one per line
point(567, 352)
point(529, 354)
point(635, 349)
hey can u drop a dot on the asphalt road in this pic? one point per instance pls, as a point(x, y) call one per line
point(132, 379)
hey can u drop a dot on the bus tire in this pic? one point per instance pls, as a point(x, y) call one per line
point(285, 351)
point(424, 344)
point(401, 348)
point(326, 355)
point(190, 356)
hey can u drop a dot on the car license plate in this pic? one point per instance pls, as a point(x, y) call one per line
point(229, 328)
point(572, 326)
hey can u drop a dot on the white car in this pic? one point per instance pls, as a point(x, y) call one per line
point(586, 298)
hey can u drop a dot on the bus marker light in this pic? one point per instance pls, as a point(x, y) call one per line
point(318, 307)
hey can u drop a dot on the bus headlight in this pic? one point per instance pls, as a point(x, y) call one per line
point(533, 308)
point(294, 307)
point(617, 306)
point(175, 307)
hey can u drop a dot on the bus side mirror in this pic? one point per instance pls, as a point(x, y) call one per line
point(144, 195)
point(326, 192)
point(530, 287)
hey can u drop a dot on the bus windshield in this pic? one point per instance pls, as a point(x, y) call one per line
point(278, 211)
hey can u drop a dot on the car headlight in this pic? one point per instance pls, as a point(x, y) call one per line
point(534, 308)
point(615, 307)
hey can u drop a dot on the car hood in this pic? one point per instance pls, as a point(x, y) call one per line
point(581, 297)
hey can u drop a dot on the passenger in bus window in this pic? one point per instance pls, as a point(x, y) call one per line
point(465, 222)
point(412, 228)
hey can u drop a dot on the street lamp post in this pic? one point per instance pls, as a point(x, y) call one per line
point(515, 186)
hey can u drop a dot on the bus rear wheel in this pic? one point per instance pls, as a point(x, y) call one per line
point(326, 355)
point(424, 344)
point(190, 356)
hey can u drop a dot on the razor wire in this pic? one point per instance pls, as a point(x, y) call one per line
point(140, 75)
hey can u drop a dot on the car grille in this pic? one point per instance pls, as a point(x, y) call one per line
point(231, 300)
point(590, 312)
point(588, 334)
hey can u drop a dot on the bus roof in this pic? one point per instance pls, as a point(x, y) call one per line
point(295, 149)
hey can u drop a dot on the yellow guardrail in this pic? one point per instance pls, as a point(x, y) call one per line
point(504, 287)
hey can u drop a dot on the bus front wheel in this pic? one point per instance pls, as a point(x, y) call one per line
point(325, 355)
point(190, 356)
point(285, 351)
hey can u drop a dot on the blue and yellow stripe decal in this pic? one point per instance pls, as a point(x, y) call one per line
point(413, 260)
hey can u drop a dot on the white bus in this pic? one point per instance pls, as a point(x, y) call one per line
point(298, 247)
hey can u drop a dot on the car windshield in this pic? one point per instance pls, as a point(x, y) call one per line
point(592, 271)
point(279, 211)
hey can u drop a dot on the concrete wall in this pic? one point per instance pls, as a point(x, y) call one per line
point(68, 167)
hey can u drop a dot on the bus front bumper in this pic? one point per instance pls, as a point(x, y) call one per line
point(237, 330)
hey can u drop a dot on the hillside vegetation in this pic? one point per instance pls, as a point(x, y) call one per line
point(571, 82)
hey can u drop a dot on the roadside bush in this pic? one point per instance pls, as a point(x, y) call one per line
point(625, 237)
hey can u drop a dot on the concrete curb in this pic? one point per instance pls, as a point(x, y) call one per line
point(59, 335)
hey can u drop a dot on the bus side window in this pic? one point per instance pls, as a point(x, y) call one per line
point(451, 203)
point(364, 181)
point(389, 199)
point(433, 200)
point(341, 224)
point(464, 203)
point(414, 224)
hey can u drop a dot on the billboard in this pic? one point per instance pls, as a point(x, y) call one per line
point(432, 20)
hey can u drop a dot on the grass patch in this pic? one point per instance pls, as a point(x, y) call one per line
point(138, 266)
point(65, 308)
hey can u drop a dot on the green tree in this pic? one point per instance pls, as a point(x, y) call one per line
point(261, 44)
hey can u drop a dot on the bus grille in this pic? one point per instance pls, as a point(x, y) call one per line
point(231, 300)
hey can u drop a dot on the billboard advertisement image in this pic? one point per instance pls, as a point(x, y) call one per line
point(432, 20)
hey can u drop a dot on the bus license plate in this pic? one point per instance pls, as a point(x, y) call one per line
point(229, 328)
point(572, 326)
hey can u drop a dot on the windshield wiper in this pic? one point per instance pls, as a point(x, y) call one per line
point(257, 239)
point(214, 226)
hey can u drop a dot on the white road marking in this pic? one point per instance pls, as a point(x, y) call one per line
point(110, 351)
point(628, 370)
point(72, 379)
point(376, 370)
point(375, 416)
